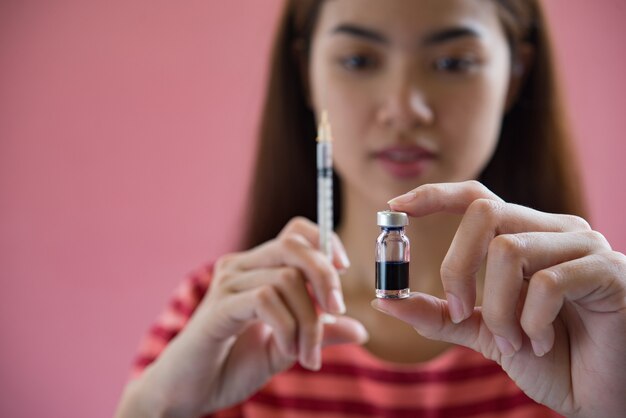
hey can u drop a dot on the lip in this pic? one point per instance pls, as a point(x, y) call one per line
point(404, 161)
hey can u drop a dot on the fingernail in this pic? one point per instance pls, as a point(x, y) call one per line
point(335, 302)
point(343, 257)
point(315, 359)
point(455, 307)
point(341, 252)
point(505, 347)
point(364, 336)
point(326, 318)
point(539, 348)
point(405, 198)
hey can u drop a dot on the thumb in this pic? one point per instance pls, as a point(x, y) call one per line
point(431, 319)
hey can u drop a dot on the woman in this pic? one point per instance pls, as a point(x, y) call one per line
point(425, 97)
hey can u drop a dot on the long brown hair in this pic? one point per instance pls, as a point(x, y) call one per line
point(533, 164)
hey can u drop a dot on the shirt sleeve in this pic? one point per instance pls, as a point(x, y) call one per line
point(173, 319)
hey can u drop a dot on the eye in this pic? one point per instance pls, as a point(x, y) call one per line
point(455, 65)
point(357, 62)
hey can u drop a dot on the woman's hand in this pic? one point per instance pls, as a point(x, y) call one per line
point(554, 302)
point(259, 317)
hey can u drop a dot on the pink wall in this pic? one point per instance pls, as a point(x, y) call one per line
point(125, 142)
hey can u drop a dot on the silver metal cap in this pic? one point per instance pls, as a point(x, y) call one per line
point(392, 219)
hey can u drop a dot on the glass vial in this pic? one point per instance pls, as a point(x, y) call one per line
point(392, 256)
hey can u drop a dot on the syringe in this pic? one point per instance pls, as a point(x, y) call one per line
point(325, 185)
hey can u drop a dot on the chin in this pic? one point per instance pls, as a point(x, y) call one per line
point(379, 195)
point(378, 187)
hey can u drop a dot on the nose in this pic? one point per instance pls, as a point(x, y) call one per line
point(405, 106)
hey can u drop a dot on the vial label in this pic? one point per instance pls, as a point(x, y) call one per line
point(392, 279)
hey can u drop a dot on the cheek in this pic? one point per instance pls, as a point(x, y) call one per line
point(346, 98)
point(470, 123)
point(350, 113)
point(349, 106)
point(349, 109)
point(349, 148)
point(350, 125)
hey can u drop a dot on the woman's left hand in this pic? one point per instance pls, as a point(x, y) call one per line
point(553, 311)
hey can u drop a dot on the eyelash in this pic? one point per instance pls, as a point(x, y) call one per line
point(455, 65)
point(357, 62)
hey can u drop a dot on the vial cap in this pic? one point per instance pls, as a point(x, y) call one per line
point(391, 219)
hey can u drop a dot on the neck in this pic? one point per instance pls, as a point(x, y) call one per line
point(430, 238)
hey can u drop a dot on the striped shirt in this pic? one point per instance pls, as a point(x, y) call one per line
point(354, 383)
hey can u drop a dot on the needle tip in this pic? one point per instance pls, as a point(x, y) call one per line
point(323, 129)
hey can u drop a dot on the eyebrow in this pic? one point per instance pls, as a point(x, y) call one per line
point(360, 32)
point(434, 38)
point(450, 34)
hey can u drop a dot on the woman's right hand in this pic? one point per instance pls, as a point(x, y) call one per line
point(259, 317)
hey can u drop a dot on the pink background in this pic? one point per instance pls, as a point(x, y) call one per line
point(126, 135)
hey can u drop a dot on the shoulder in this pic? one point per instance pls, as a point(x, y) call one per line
point(191, 290)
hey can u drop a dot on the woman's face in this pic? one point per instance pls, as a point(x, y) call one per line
point(415, 90)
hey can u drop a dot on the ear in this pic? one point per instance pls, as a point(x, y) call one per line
point(300, 56)
point(522, 63)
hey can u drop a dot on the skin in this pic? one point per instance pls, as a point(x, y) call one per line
point(479, 257)
point(385, 81)
point(565, 344)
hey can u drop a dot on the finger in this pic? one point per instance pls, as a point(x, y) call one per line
point(486, 216)
point(431, 318)
point(342, 330)
point(311, 232)
point(252, 360)
point(442, 197)
point(484, 220)
point(450, 198)
point(513, 257)
point(337, 330)
point(262, 303)
point(459, 198)
point(290, 284)
point(295, 251)
point(594, 283)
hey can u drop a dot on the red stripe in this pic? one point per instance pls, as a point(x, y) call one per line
point(180, 307)
point(163, 333)
point(505, 403)
point(404, 377)
point(198, 288)
point(157, 331)
point(142, 362)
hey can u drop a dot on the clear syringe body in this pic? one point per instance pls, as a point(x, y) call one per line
point(325, 196)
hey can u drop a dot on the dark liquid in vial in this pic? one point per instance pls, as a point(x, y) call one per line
point(392, 275)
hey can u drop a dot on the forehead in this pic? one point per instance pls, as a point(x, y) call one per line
point(406, 20)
